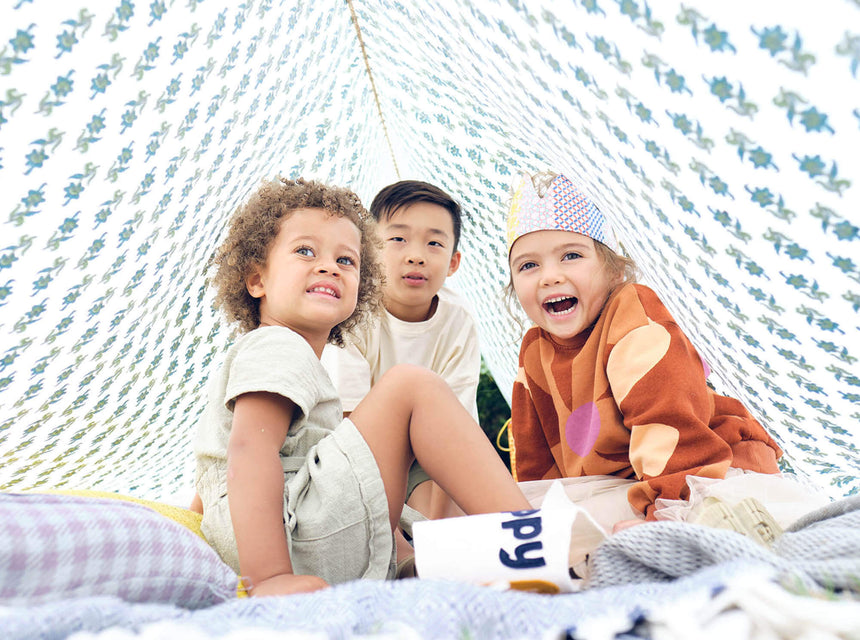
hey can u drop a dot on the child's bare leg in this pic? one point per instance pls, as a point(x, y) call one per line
point(412, 413)
point(429, 499)
point(404, 549)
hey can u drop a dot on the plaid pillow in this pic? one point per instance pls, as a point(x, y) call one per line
point(54, 547)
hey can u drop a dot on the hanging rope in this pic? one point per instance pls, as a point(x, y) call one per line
point(373, 85)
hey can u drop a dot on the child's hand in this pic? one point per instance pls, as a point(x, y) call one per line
point(626, 524)
point(287, 583)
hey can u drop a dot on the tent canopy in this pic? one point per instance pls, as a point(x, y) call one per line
point(720, 140)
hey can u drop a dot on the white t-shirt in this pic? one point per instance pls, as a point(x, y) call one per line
point(447, 344)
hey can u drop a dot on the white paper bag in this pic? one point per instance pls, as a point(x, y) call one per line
point(786, 497)
point(532, 550)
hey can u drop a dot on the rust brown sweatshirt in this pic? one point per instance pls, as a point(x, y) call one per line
point(629, 399)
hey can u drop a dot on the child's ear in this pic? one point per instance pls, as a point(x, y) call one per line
point(454, 264)
point(254, 284)
point(616, 282)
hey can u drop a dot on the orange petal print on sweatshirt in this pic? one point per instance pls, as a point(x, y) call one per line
point(651, 446)
point(634, 356)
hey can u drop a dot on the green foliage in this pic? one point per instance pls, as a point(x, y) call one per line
point(493, 411)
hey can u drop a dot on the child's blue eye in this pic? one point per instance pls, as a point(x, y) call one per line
point(346, 260)
point(525, 266)
point(573, 255)
point(305, 251)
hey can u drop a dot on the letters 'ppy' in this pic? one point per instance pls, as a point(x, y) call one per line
point(543, 550)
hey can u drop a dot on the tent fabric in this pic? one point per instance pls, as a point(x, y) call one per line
point(719, 139)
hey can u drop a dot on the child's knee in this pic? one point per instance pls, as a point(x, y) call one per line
point(411, 376)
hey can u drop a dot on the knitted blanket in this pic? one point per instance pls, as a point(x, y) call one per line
point(822, 549)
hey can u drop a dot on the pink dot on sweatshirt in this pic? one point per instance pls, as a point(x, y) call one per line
point(707, 368)
point(581, 429)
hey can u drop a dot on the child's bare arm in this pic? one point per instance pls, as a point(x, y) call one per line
point(255, 482)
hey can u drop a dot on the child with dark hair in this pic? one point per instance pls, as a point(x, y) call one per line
point(423, 322)
point(403, 194)
point(294, 496)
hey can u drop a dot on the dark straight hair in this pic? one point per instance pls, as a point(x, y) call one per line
point(407, 192)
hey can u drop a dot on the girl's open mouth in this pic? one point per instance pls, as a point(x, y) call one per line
point(560, 305)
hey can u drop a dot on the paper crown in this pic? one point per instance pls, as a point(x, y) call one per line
point(564, 207)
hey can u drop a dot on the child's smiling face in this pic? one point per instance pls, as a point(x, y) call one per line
point(560, 281)
point(418, 253)
point(310, 280)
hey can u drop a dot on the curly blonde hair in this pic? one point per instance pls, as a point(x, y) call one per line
point(255, 225)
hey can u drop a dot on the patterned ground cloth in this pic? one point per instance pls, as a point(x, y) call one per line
point(700, 604)
point(660, 578)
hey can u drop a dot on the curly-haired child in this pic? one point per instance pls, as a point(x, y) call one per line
point(294, 497)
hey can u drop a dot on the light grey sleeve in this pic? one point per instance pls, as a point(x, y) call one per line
point(276, 360)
